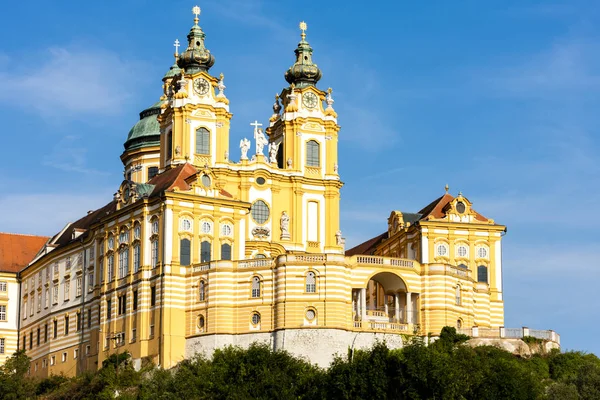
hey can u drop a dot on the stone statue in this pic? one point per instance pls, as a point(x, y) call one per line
point(261, 140)
point(285, 225)
point(273, 152)
point(339, 240)
point(244, 147)
point(289, 162)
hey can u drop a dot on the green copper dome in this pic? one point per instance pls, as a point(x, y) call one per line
point(146, 132)
point(173, 71)
point(304, 72)
point(196, 57)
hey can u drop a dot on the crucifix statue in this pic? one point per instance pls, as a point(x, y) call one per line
point(259, 136)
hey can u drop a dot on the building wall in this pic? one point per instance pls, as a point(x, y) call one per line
point(9, 326)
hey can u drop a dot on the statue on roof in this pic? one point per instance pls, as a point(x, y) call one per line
point(244, 147)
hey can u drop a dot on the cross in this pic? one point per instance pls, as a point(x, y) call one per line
point(303, 26)
point(255, 124)
point(176, 44)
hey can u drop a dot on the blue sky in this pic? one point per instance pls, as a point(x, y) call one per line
point(498, 99)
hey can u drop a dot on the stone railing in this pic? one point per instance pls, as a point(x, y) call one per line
point(380, 326)
point(510, 333)
point(383, 261)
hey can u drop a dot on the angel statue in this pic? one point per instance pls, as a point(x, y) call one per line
point(244, 147)
point(261, 140)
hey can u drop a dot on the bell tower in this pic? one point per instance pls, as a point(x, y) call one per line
point(304, 130)
point(195, 119)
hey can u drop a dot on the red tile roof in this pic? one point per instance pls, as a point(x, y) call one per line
point(16, 250)
point(436, 208)
point(367, 247)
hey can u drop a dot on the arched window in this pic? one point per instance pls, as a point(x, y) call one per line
point(201, 322)
point(458, 295)
point(482, 274)
point(184, 252)
point(256, 287)
point(202, 291)
point(169, 145)
point(225, 251)
point(463, 266)
point(205, 251)
point(458, 324)
point(123, 262)
point(311, 283)
point(312, 153)
point(202, 141)
point(255, 318)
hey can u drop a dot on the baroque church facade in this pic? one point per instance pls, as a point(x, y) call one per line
point(197, 251)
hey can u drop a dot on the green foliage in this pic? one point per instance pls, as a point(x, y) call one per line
point(445, 369)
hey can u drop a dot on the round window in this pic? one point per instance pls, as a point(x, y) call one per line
point(461, 251)
point(255, 318)
point(482, 252)
point(226, 230)
point(310, 314)
point(206, 180)
point(206, 227)
point(441, 250)
point(260, 211)
point(260, 180)
point(186, 225)
point(460, 207)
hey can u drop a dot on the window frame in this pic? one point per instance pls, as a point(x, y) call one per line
point(202, 141)
point(313, 153)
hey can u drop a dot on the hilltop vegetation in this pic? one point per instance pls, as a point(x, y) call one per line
point(446, 369)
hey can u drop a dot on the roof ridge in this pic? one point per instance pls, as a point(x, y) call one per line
point(25, 234)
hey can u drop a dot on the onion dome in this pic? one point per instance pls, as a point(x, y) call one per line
point(304, 72)
point(146, 132)
point(196, 57)
point(172, 72)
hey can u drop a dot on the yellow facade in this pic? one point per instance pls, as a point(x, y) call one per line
point(213, 251)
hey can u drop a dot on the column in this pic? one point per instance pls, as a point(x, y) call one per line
point(409, 316)
point(385, 305)
point(397, 306)
point(363, 303)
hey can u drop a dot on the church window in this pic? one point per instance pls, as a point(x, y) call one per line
point(226, 230)
point(260, 180)
point(462, 251)
point(311, 282)
point(186, 224)
point(255, 287)
point(136, 258)
point(482, 274)
point(260, 211)
point(155, 227)
point(169, 145)
point(482, 252)
point(206, 227)
point(255, 318)
point(184, 252)
point(225, 251)
point(202, 291)
point(152, 172)
point(441, 250)
point(202, 141)
point(205, 251)
point(312, 153)
point(154, 253)
point(458, 296)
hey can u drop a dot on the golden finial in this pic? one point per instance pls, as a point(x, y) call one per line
point(446, 188)
point(303, 29)
point(221, 76)
point(329, 90)
point(276, 96)
point(196, 12)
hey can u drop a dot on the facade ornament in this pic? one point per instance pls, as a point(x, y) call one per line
point(273, 152)
point(339, 240)
point(181, 87)
point(329, 100)
point(117, 195)
point(285, 226)
point(244, 147)
point(289, 162)
point(259, 136)
point(292, 105)
point(276, 105)
point(177, 150)
point(221, 86)
point(261, 232)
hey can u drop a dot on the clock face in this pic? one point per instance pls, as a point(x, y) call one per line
point(201, 86)
point(310, 100)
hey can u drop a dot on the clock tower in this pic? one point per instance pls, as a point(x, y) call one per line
point(195, 119)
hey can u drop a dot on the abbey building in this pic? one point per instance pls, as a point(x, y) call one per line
point(206, 244)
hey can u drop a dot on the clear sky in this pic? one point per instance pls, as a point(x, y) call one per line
point(499, 99)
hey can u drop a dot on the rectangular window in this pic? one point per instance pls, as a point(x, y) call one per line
point(67, 289)
point(46, 298)
point(3, 286)
point(43, 363)
point(135, 300)
point(32, 305)
point(1, 345)
point(30, 340)
point(101, 273)
point(40, 278)
point(133, 334)
point(184, 252)
point(312, 153)
point(52, 360)
point(152, 296)
point(122, 304)
point(24, 309)
point(136, 258)
point(78, 284)
point(66, 325)
point(55, 294)
point(152, 172)
point(64, 357)
point(68, 263)
point(75, 354)
point(111, 267)
point(151, 331)
point(202, 141)
point(39, 335)
point(225, 251)
point(108, 308)
point(87, 349)
point(90, 281)
point(78, 322)
point(205, 251)
point(3, 312)
point(46, 333)
point(39, 302)
point(24, 342)
point(55, 329)
point(154, 253)
point(89, 319)
point(123, 262)
point(48, 274)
